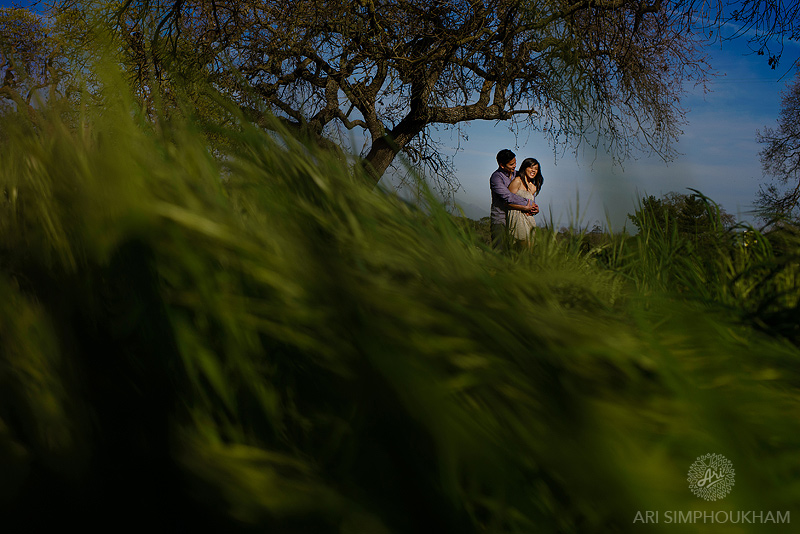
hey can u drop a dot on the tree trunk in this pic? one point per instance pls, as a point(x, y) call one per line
point(380, 156)
point(384, 149)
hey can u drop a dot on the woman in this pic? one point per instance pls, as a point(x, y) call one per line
point(527, 184)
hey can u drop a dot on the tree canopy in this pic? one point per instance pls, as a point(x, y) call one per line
point(29, 60)
point(780, 159)
point(385, 74)
point(389, 71)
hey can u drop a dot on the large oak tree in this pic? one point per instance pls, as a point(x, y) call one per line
point(390, 71)
point(610, 70)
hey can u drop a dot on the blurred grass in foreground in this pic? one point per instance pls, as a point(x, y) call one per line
point(263, 342)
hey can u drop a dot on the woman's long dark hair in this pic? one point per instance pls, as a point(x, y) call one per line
point(538, 180)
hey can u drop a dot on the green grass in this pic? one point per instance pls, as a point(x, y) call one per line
point(260, 341)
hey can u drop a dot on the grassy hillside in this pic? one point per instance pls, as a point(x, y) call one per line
point(258, 341)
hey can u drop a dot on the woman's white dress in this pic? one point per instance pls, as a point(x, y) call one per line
point(521, 224)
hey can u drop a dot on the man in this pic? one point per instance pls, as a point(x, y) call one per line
point(502, 197)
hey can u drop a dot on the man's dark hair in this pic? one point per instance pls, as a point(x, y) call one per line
point(504, 156)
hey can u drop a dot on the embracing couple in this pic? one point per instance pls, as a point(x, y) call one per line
point(513, 195)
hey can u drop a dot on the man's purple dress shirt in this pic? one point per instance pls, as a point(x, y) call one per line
point(502, 197)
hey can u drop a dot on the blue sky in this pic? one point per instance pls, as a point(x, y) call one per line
point(719, 153)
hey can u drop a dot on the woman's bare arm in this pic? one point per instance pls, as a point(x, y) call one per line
point(514, 186)
point(533, 209)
